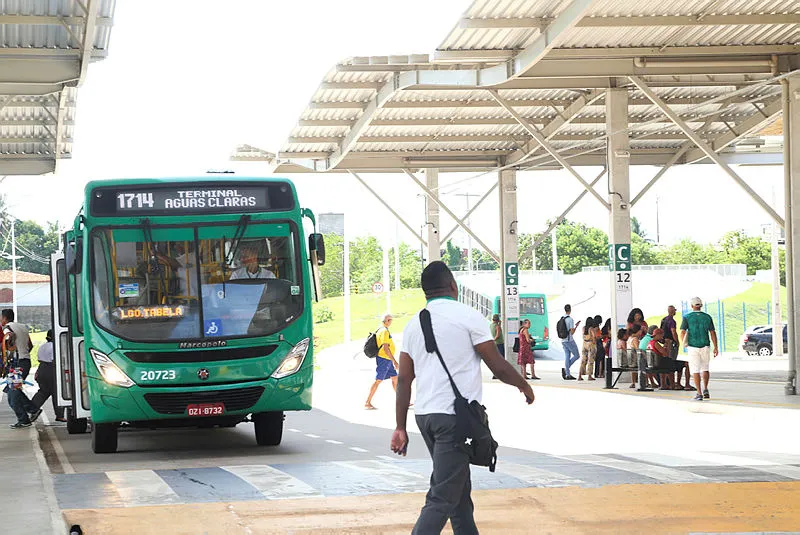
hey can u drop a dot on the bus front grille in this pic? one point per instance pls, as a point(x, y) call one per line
point(175, 402)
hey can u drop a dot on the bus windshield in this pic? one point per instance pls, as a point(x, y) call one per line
point(531, 305)
point(155, 283)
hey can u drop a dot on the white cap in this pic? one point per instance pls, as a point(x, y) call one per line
point(696, 301)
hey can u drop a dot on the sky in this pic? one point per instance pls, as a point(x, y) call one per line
point(185, 82)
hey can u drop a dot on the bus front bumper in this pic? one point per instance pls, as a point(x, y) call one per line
point(140, 404)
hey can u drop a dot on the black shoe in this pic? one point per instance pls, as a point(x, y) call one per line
point(494, 377)
point(705, 394)
point(35, 415)
point(563, 374)
point(19, 425)
point(569, 378)
point(644, 389)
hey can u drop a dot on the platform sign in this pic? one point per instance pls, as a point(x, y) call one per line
point(619, 257)
point(512, 304)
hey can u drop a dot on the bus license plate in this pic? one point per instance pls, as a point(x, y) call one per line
point(206, 409)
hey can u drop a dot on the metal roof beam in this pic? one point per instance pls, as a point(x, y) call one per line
point(469, 213)
point(32, 71)
point(537, 135)
point(738, 131)
point(389, 207)
point(432, 196)
point(488, 138)
point(705, 147)
point(677, 51)
point(646, 21)
point(87, 46)
point(350, 85)
point(29, 90)
point(49, 138)
point(26, 164)
point(38, 20)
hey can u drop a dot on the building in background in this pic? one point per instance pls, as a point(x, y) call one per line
point(33, 298)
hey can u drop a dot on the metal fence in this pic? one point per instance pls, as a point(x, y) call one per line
point(731, 320)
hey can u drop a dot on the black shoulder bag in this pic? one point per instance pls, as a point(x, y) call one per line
point(471, 418)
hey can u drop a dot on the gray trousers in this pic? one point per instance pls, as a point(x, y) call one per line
point(449, 495)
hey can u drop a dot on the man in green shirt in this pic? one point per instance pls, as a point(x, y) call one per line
point(700, 327)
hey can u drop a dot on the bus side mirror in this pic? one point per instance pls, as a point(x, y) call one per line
point(316, 242)
point(72, 257)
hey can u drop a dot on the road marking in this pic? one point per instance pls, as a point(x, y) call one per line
point(359, 450)
point(293, 430)
point(393, 474)
point(334, 442)
point(273, 483)
point(142, 487)
point(724, 459)
point(386, 457)
point(537, 476)
point(66, 466)
point(309, 435)
point(659, 473)
point(792, 472)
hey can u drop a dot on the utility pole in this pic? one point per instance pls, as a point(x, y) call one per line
point(555, 249)
point(658, 226)
point(346, 282)
point(469, 238)
point(14, 267)
point(777, 320)
point(396, 256)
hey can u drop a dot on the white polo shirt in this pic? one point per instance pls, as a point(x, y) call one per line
point(458, 329)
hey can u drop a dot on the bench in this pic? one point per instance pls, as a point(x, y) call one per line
point(641, 362)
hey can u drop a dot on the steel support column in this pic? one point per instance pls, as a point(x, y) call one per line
point(509, 258)
point(432, 216)
point(791, 163)
point(619, 227)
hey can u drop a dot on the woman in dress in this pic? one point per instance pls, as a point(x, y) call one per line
point(589, 349)
point(525, 355)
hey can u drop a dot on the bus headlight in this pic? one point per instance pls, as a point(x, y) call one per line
point(110, 371)
point(293, 360)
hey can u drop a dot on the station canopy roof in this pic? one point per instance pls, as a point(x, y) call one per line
point(713, 62)
point(46, 47)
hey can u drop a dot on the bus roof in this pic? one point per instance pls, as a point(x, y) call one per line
point(210, 178)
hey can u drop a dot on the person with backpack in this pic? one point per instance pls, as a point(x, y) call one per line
point(565, 328)
point(463, 341)
point(385, 363)
point(16, 348)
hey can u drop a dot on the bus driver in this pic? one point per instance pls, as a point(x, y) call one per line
point(248, 258)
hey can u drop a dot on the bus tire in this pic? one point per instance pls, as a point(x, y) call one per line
point(76, 426)
point(104, 438)
point(269, 428)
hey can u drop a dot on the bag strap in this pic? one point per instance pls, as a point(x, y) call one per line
point(431, 346)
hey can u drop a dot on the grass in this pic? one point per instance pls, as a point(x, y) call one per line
point(735, 317)
point(366, 312)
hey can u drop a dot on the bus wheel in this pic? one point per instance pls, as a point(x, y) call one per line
point(76, 426)
point(269, 428)
point(104, 438)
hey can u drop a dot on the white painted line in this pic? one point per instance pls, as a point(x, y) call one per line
point(142, 487)
point(272, 483)
point(674, 461)
point(334, 442)
point(309, 435)
point(359, 450)
point(724, 459)
point(537, 476)
point(386, 457)
point(66, 466)
point(403, 480)
point(659, 473)
point(293, 430)
point(792, 472)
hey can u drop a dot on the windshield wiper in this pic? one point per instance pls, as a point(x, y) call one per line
point(237, 238)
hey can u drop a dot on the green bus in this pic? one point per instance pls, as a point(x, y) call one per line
point(185, 302)
point(483, 296)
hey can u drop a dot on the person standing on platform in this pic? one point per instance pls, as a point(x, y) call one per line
point(565, 328)
point(46, 377)
point(496, 328)
point(17, 347)
point(696, 328)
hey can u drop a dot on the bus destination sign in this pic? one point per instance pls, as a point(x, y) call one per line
point(138, 313)
point(200, 199)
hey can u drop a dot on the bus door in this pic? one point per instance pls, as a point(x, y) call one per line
point(62, 341)
point(80, 401)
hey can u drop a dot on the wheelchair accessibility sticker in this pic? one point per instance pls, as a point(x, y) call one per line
point(212, 327)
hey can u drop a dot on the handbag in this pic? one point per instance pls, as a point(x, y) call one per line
point(515, 349)
point(472, 422)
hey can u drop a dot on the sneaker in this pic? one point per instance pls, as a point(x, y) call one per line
point(698, 397)
point(569, 378)
point(35, 415)
point(19, 425)
point(705, 394)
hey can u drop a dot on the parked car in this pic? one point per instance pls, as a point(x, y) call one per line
point(760, 342)
point(752, 329)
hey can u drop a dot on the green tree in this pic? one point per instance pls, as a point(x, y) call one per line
point(687, 251)
point(34, 244)
point(453, 256)
point(331, 274)
point(410, 266)
point(643, 253)
point(739, 248)
point(636, 228)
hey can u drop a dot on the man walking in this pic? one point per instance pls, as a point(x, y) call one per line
point(671, 342)
point(17, 346)
point(46, 377)
point(385, 362)
point(699, 326)
point(463, 340)
point(566, 329)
